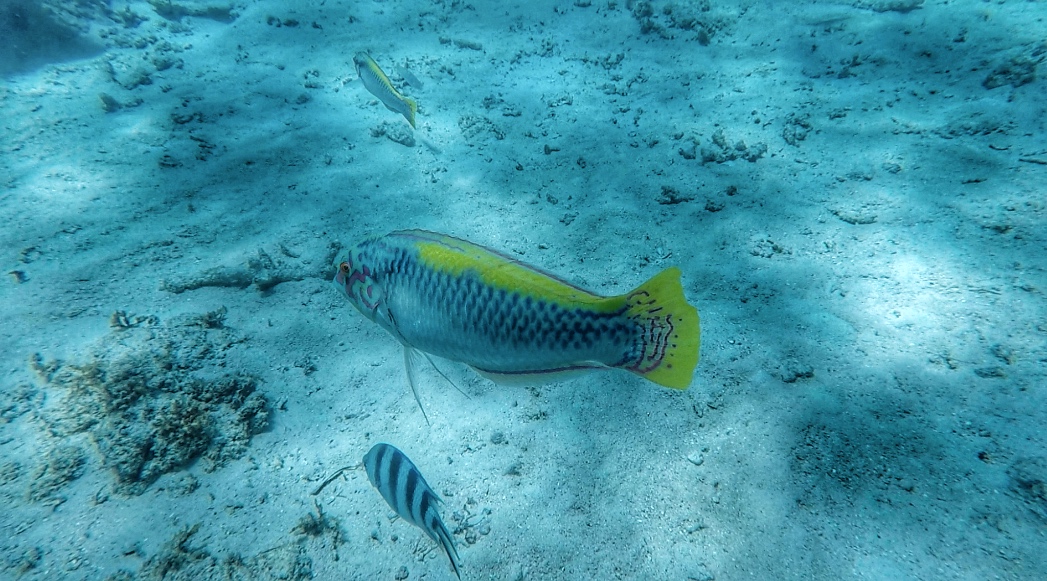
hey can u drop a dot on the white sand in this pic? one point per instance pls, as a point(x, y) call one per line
point(871, 397)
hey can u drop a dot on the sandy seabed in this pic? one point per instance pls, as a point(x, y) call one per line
point(855, 192)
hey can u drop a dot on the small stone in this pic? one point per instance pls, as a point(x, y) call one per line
point(701, 573)
point(169, 161)
point(672, 196)
point(1004, 354)
point(992, 372)
point(713, 206)
point(795, 371)
point(857, 216)
point(109, 103)
point(1029, 478)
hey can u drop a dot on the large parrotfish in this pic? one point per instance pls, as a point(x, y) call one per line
point(510, 321)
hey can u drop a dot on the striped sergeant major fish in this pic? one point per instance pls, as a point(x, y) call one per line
point(402, 486)
point(510, 321)
point(380, 86)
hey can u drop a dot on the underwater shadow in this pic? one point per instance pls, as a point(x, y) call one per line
point(33, 38)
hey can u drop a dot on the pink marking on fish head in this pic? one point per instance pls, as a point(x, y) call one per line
point(357, 281)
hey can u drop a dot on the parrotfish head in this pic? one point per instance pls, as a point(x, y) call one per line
point(355, 278)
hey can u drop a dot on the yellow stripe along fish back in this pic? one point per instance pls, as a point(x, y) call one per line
point(461, 301)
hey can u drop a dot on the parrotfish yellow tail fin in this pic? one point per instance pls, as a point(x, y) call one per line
point(670, 328)
point(412, 105)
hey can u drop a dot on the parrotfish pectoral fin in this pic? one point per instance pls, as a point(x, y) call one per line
point(410, 355)
point(670, 330)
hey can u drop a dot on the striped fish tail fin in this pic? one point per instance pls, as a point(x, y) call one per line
point(447, 541)
point(669, 327)
point(412, 109)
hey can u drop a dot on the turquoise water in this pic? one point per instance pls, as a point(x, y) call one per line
point(854, 192)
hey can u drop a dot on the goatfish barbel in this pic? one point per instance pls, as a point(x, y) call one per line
point(510, 321)
point(380, 86)
point(403, 487)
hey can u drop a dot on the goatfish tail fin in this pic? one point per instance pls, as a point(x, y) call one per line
point(412, 110)
point(669, 331)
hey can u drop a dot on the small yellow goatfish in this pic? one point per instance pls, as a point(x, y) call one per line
point(460, 301)
point(378, 84)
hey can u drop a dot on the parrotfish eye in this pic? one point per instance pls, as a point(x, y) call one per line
point(343, 268)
